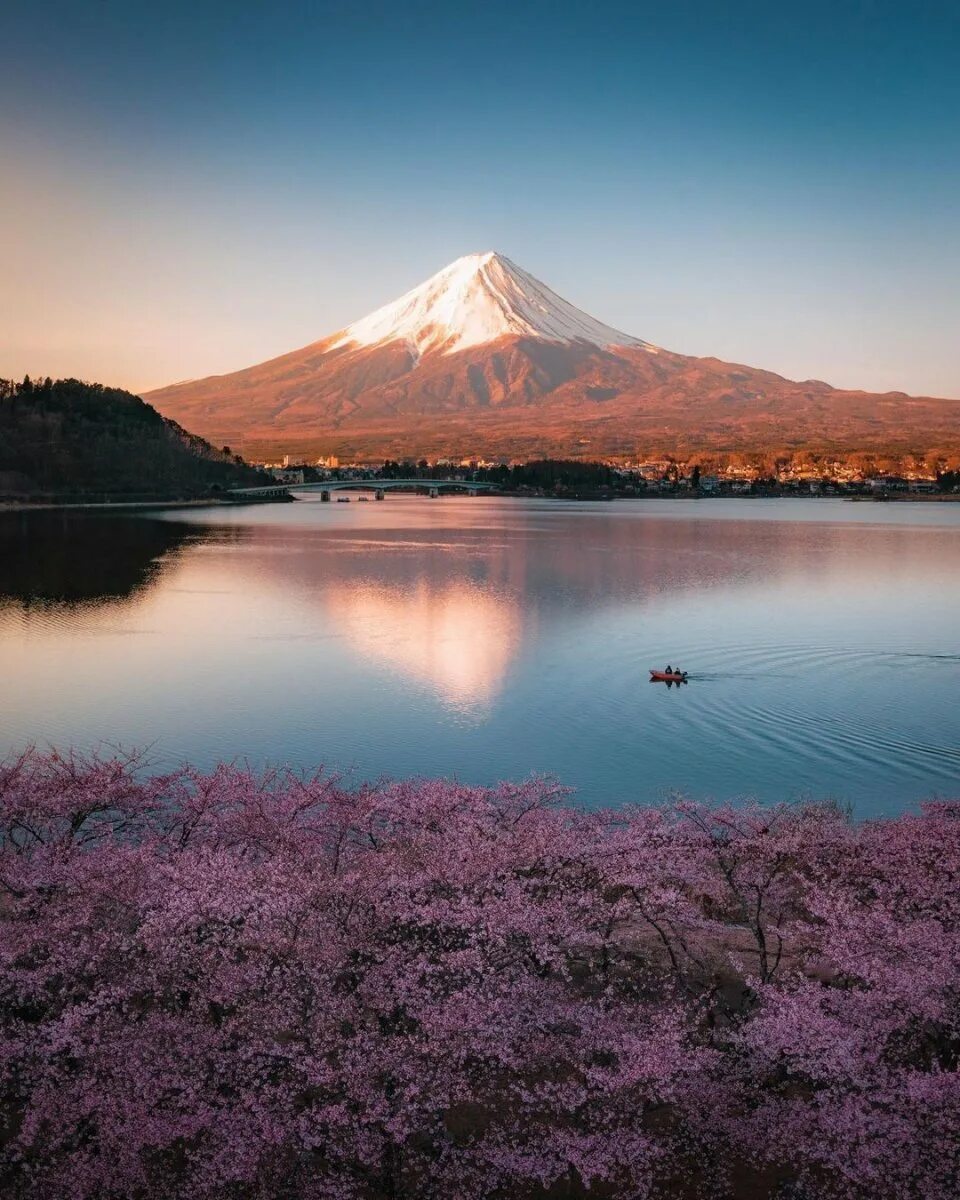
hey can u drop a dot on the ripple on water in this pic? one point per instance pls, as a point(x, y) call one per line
point(490, 638)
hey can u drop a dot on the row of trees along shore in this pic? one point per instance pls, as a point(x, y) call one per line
point(228, 986)
point(65, 438)
point(576, 475)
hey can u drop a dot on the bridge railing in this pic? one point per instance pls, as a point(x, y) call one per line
point(369, 485)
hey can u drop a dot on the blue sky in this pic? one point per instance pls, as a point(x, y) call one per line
point(200, 186)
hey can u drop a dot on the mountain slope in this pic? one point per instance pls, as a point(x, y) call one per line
point(483, 358)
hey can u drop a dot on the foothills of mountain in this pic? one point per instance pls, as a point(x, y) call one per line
point(485, 360)
point(67, 439)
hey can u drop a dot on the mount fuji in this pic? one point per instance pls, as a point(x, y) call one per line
point(477, 300)
point(483, 358)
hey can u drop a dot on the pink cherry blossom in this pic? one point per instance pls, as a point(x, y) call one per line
point(234, 985)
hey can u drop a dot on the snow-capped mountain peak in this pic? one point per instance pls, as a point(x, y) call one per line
point(475, 300)
point(484, 359)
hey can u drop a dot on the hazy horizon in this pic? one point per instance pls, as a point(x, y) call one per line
point(201, 189)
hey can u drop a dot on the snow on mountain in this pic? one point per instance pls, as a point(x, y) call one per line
point(476, 300)
point(485, 359)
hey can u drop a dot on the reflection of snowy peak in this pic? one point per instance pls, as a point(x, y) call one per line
point(476, 300)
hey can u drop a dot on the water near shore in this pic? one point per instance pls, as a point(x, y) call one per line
point(491, 637)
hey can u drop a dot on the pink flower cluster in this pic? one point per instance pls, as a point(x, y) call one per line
point(228, 986)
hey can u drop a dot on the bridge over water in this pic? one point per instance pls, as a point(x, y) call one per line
point(379, 487)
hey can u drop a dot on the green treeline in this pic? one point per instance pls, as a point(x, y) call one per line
point(64, 437)
point(553, 473)
point(544, 473)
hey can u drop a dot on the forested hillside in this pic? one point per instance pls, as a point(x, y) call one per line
point(68, 438)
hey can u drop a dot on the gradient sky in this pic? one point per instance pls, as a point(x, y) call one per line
point(189, 188)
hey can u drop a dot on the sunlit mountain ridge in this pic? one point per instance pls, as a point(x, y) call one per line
point(483, 358)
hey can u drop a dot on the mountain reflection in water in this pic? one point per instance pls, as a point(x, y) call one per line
point(488, 638)
point(459, 637)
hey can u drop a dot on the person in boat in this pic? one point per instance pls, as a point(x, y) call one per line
point(668, 670)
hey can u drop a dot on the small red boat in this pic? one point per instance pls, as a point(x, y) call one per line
point(667, 676)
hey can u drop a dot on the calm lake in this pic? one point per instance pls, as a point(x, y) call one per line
point(488, 638)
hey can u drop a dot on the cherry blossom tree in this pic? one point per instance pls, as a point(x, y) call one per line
point(852, 1059)
point(234, 985)
point(280, 987)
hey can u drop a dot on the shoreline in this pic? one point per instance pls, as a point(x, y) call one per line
point(84, 505)
point(162, 505)
point(127, 505)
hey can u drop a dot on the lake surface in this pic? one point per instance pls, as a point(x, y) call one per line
point(491, 637)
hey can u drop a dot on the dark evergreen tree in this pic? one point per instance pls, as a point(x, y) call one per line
point(68, 438)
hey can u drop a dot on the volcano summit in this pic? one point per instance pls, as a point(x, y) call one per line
point(483, 358)
point(477, 300)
